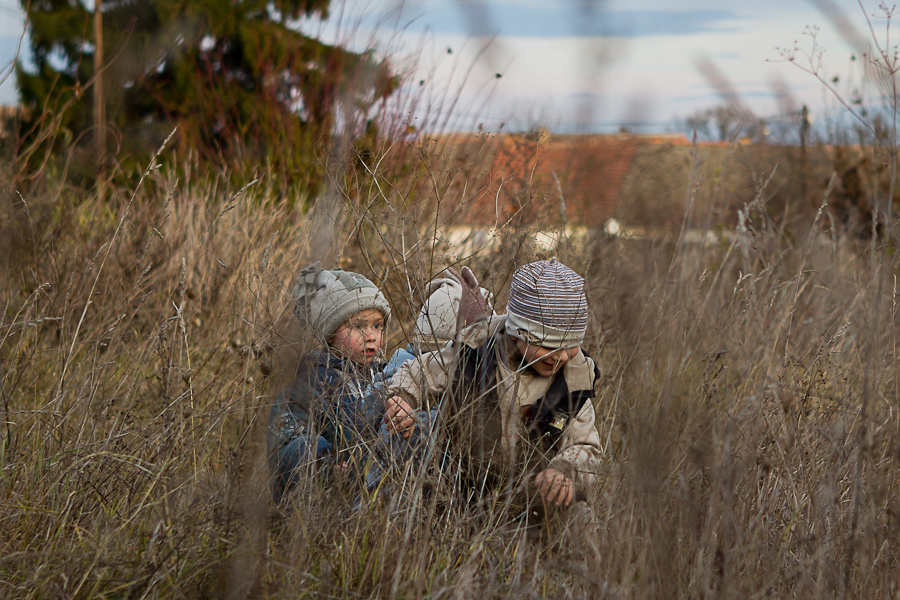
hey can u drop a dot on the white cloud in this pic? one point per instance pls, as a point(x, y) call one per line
point(551, 75)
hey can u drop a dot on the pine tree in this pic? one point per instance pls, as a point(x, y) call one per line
point(240, 83)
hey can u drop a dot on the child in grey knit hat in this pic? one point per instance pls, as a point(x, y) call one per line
point(515, 392)
point(330, 414)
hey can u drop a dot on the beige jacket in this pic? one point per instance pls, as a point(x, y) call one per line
point(424, 381)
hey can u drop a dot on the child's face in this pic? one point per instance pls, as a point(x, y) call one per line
point(546, 361)
point(359, 338)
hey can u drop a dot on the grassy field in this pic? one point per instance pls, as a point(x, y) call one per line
point(748, 405)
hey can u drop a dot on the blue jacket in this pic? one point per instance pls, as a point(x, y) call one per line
point(332, 399)
point(400, 356)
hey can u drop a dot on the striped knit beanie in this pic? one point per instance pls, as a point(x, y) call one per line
point(325, 299)
point(547, 306)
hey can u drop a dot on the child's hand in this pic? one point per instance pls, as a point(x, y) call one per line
point(555, 487)
point(399, 417)
point(341, 472)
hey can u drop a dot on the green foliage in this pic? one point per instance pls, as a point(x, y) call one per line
point(243, 87)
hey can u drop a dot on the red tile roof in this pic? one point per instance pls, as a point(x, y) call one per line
point(492, 179)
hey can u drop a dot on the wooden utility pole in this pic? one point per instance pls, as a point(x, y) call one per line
point(99, 107)
point(804, 163)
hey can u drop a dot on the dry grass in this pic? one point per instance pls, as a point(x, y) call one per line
point(747, 410)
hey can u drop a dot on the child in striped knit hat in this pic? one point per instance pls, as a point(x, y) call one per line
point(515, 392)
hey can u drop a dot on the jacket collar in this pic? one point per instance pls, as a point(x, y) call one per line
point(330, 360)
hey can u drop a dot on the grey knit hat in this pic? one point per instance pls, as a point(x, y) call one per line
point(325, 299)
point(455, 301)
point(547, 306)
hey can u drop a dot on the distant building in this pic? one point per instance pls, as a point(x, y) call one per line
point(473, 185)
point(534, 178)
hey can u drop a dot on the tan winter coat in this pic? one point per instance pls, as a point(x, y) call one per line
point(424, 380)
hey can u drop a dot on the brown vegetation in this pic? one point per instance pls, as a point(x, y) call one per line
point(747, 404)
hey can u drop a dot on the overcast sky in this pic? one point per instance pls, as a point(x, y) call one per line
point(586, 65)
